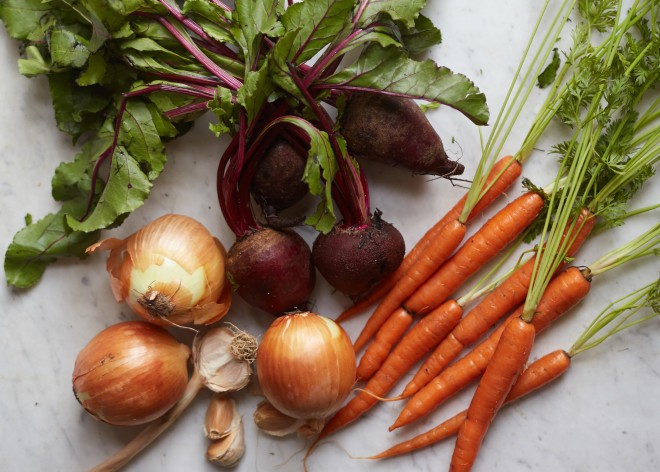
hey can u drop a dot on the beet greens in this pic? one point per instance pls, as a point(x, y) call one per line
point(126, 77)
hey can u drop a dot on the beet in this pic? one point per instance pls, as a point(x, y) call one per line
point(395, 131)
point(353, 258)
point(272, 270)
point(277, 182)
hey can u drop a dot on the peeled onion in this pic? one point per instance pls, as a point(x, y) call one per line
point(131, 373)
point(171, 271)
point(306, 365)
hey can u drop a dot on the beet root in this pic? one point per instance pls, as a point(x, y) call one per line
point(352, 258)
point(277, 182)
point(272, 270)
point(395, 131)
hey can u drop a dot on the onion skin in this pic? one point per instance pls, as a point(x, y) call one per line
point(306, 365)
point(130, 373)
point(170, 272)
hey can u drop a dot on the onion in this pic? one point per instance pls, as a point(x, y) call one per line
point(209, 367)
point(306, 365)
point(131, 373)
point(171, 271)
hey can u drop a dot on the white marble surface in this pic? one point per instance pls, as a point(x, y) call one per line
point(602, 416)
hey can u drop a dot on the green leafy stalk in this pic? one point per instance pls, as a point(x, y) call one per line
point(585, 149)
point(624, 313)
point(515, 100)
point(643, 245)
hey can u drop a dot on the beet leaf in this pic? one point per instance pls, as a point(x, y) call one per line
point(390, 70)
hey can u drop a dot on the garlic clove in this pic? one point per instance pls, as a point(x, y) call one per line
point(221, 417)
point(227, 451)
point(310, 427)
point(275, 423)
point(224, 357)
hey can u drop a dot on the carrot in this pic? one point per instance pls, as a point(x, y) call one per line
point(419, 340)
point(384, 342)
point(503, 369)
point(538, 374)
point(433, 436)
point(552, 365)
point(504, 172)
point(448, 239)
point(484, 245)
point(563, 292)
point(504, 298)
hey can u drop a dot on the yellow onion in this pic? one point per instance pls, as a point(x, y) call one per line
point(171, 271)
point(131, 373)
point(306, 365)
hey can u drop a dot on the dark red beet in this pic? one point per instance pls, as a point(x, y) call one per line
point(352, 258)
point(277, 183)
point(395, 131)
point(272, 270)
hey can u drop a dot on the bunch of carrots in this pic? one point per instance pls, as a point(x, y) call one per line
point(614, 145)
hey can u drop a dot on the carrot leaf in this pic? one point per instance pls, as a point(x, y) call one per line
point(547, 77)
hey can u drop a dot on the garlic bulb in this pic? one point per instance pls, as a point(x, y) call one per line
point(170, 272)
point(223, 357)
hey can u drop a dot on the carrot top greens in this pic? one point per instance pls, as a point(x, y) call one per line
point(610, 154)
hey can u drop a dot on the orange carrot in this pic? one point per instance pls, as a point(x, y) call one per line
point(538, 374)
point(505, 171)
point(383, 343)
point(483, 246)
point(448, 239)
point(433, 436)
point(507, 362)
point(419, 340)
point(494, 306)
point(563, 292)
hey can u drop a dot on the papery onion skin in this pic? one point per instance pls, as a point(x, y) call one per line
point(130, 373)
point(306, 365)
point(170, 272)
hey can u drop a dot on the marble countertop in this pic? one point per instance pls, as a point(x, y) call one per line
point(603, 415)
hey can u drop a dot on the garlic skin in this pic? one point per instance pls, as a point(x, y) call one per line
point(170, 272)
point(306, 365)
point(223, 357)
point(130, 373)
